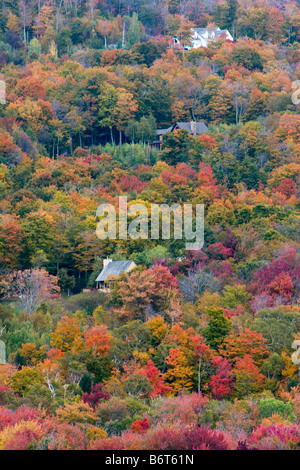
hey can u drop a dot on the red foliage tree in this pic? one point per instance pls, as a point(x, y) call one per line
point(221, 382)
point(95, 396)
point(140, 426)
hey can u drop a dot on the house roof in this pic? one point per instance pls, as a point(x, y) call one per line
point(199, 31)
point(200, 127)
point(113, 268)
point(202, 31)
point(211, 33)
point(163, 131)
point(220, 33)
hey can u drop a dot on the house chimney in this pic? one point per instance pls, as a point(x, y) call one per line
point(193, 125)
point(106, 261)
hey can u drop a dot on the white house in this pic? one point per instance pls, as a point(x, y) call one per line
point(111, 270)
point(201, 37)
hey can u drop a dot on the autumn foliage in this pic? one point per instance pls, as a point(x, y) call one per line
point(192, 349)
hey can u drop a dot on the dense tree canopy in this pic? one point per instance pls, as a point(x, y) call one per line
point(190, 350)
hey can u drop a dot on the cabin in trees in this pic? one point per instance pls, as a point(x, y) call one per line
point(111, 270)
point(193, 128)
point(201, 37)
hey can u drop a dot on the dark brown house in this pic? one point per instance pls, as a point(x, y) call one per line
point(193, 128)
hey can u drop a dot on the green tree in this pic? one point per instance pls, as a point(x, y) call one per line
point(278, 327)
point(218, 327)
point(244, 55)
point(271, 406)
point(176, 146)
point(128, 338)
point(149, 50)
point(253, 22)
point(25, 379)
point(256, 106)
point(134, 32)
point(148, 255)
point(39, 232)
point(65, 281)
point(273, 366)
point(107, 100)
point(249, 173)
point(34, 49)
point(222, 15)
point(138, 386)
point(143, 130)
point(234, 296)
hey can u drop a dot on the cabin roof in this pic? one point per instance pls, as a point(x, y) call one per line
point(163, 131)
point(114, 268)
point(200, 127)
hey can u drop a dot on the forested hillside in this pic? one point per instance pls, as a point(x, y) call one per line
point(191, 350)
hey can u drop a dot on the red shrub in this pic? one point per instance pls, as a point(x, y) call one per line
point(278, 436)
point(93, 398)
point(65, 437)
point(128, 183)
point(5, 417)
point(184, 438)
point(287, 187)
point(23, 440)
point(110, 443)
point(25, 413)
point(140, 426)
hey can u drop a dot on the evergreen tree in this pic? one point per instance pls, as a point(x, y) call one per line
point(218, 327)
point(134, 32)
